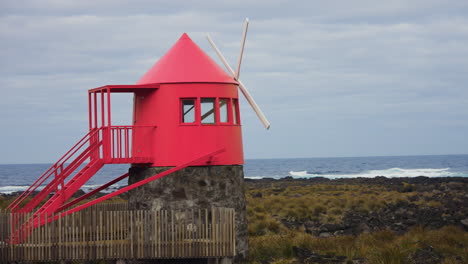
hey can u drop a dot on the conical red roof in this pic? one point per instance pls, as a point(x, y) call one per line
point(185, 62)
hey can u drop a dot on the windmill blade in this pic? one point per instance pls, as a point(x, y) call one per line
point(244, 90)
point(241, 53)
point(220, 55)
point(254, 105)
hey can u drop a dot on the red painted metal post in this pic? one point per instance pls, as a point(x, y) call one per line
point(109, 123)
point(95, 111)
point(110, 143)
point(89, 111)
point(103, 127)
point(113, 144)
point(98, 136)
point(126, 143)
point(108, 139)
point(102, 110)
point(119, 143)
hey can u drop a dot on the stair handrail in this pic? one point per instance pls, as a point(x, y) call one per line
point(59, 165)
point(23, 218)
point(53, 169)
point(55, 182)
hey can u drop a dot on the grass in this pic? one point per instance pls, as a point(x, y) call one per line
point(324, 203)
point(270, 241)
point(378, 247)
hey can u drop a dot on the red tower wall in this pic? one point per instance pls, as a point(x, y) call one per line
point(174, 142)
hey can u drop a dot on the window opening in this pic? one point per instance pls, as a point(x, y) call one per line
point(235, 112)
point(208, 111)
point(188, 110)
point(223, 110)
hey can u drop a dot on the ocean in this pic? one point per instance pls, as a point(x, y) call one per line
point(17, 177)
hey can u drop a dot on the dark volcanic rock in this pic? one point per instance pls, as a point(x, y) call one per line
point(291, 224)
point(464, 222)
point(78, 193)
point(257, 195)
point(400, 217)
point(306, 256)
point(425, 255)
point(420, 183)
point(434, 203)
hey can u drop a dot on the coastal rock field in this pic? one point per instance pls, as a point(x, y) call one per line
point(416, 220)
point(359, 220)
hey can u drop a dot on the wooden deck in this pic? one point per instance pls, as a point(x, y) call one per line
point(109, 231)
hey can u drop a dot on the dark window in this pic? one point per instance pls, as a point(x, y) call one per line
point(223, 110)
point(235, 112)
point(188, 110)
point(208, 111)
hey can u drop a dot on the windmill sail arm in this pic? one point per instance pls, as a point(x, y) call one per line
point(241, 53)
point(220, 55)
point(254, 105)
point(244, 90)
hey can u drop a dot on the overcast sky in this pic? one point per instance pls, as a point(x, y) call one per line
point(335, 78)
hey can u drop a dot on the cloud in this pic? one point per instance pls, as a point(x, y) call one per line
point(321, 71)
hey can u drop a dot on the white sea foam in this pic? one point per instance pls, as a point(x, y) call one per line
point(299, 174)
point(398, 172)
point(391, 173)
point(255, 177)
point(86, 188)
point(12, 189)
point(109, 189)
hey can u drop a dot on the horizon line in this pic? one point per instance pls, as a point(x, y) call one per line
point(329, 157)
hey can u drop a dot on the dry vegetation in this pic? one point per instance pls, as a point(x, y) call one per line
point(322, 202)
point(378, 247)
point(271, 241)
point(271, 205)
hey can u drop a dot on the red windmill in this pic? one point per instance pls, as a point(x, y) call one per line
point(185, 113)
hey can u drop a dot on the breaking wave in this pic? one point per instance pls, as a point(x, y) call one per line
point(85, 188)
point(300, 174)
point(390, 173)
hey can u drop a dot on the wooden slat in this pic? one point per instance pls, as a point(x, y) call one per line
point(111, 231)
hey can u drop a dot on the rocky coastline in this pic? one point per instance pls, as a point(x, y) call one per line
point(354, 208)
point(450, 193)
point(290, 218)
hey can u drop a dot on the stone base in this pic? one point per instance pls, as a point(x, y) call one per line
point(194, 187)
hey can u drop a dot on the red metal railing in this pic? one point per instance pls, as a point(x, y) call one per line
point(110, 144)
point(107, 144)
point(121, 149)
point(23, 225)
point(121, 137)
point(59, 168)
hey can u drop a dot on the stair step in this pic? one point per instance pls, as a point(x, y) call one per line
point(85, 171)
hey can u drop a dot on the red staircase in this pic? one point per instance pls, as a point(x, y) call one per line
point(70, 187)
point(105, 145)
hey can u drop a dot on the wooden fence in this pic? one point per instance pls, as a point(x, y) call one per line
point(113, 232)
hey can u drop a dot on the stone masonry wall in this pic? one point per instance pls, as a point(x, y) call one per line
point(194, 187)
